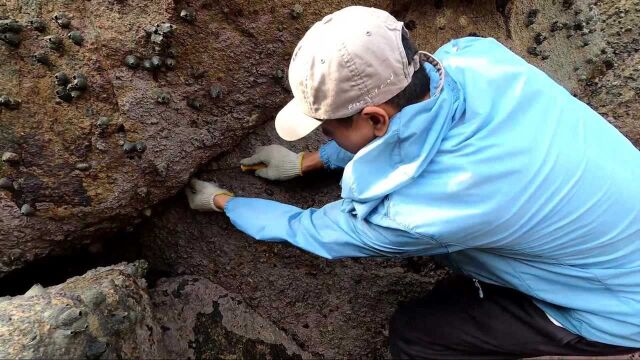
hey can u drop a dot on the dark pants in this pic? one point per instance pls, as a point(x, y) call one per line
point(454, 322)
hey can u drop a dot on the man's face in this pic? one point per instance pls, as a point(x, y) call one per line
point(351, 136)
point(367, 125)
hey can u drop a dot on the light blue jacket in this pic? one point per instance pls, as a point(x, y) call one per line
point(504, 173)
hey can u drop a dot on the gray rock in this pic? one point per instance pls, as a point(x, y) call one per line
point(56, 326)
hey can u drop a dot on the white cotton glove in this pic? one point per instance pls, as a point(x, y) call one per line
point(282, 164)
point(201, 193)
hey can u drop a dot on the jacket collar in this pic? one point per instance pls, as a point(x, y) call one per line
point(414, 136)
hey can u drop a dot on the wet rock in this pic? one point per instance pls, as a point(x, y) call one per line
point(27, 210)
point(10, 158)
point(188, 15)
point(59, 321)
point(93, 298)
point(203, 320)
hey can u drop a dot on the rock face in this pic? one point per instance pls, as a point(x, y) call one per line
point(107, 313)
point(335, 308)
point(94, 153)
point(200, 319)
point(233, 45)
point(341, 308)
point(118, 152)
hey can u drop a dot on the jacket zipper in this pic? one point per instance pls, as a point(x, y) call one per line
point(475, 281)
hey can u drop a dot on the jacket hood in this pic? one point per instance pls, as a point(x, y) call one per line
point(414, 136)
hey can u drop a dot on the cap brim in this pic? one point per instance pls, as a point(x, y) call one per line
point(293, 124)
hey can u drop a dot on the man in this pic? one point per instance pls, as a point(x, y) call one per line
point(475, 157)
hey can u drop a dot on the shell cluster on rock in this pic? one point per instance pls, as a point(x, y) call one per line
point(69, 89)
point(9, 103)
point(10, 157)
point(164, 55)
point(194, 103)
point(41, 57)
point(188, 15)
point(163, 98)
point(10, 32)
point(134, 147)
point(296, 11)
point(62, 20)
point(160, 34)
point(54, 42)
point(76, 37)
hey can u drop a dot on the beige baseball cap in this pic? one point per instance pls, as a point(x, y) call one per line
point(351, 59)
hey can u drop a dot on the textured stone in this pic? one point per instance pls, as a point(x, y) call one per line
point(58, 322)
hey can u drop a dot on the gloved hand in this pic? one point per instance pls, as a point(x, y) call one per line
point(282, 164)
point(201, 193)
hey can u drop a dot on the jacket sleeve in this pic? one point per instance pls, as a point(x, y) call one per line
point(333, 156)
point(327, 232)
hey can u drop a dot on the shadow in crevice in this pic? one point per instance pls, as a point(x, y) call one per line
point(54, 270)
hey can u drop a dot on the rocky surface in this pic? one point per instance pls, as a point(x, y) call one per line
point(88, 162)
point(341, 308)
point(79, 166)
point(82, 168)
point(105, 313)
point(200, 319)
point(108, 313)
point(334, 308)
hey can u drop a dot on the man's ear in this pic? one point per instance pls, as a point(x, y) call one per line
point(379, 119)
